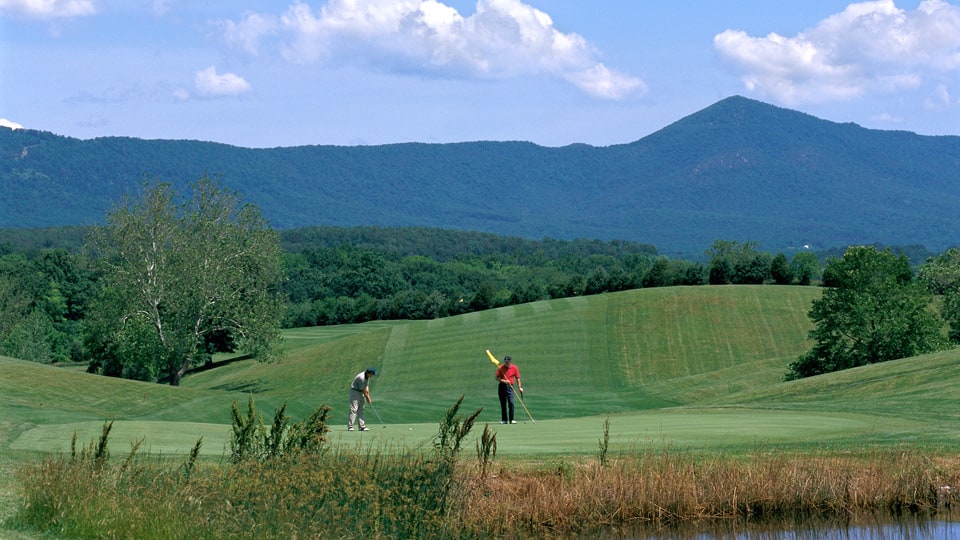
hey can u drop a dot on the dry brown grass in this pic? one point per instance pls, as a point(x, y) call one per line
point(662, 490)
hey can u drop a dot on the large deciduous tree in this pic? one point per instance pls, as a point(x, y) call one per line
point(871, 311)
point(184, 279)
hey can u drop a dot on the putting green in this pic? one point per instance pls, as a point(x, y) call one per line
point(690, 428)
point(686, 428)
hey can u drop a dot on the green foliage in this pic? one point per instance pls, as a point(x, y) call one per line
point(486, 450)
point(951, 313)
point(872, 311)
point(96, 451)
point(43, 297)
point(780, 270)
point(32, 338)
point(453, 430)
point(604, 443)
point(734, 262)
point(941, 276)
point(191, 465)
point(17, 297)
point(665, 272)
point(424, 247)
point(252, 440)
point(248, 433)
point(379, 276)
point(754, 271)
point(805, 267)
point(187, 279)
point(719, 271)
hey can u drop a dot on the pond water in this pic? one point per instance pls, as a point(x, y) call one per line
point(939, 527)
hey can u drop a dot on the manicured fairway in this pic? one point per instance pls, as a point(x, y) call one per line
point(682, 367)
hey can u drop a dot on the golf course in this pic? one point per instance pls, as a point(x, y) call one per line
point(698, 369)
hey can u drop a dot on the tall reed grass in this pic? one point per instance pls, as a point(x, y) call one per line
point(664, 489)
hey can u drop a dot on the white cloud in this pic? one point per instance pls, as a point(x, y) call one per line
point(9, 124)
point(601, 82)
point(247, 33)
point(870, 47)
point(939, 98)
point(48, 9)
point(503, 38)
point(211, 84)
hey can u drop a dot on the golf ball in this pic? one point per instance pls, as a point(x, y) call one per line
point(411, 429)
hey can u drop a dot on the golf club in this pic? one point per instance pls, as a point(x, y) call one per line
point(378, 415)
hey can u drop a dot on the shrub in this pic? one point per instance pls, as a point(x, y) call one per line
point(252, 440)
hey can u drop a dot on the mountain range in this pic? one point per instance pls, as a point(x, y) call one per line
point(739, 170)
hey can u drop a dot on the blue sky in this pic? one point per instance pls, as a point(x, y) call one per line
point(554, 72)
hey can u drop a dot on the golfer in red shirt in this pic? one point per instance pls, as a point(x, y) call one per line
point(507, 373)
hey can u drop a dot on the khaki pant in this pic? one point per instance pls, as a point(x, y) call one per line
point(356, 409)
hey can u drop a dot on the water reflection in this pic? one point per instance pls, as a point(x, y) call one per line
point(870, 527)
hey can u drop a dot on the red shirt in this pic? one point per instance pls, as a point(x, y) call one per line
point(511, 372)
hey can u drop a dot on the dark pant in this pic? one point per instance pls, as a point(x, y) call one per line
point(505, 391)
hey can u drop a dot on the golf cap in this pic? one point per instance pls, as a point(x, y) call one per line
point(507, 359)
point(371, 371)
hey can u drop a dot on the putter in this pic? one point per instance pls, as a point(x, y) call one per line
point(378, 415)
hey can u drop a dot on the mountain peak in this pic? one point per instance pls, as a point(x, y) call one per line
point(742, 111)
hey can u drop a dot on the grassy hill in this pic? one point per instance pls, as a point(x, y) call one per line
point(697, 367)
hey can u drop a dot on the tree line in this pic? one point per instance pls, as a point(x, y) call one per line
point(170, 280)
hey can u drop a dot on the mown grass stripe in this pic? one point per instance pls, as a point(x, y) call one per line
point(543, 306)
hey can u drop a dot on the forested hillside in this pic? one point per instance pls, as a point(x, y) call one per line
point(739, 169)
